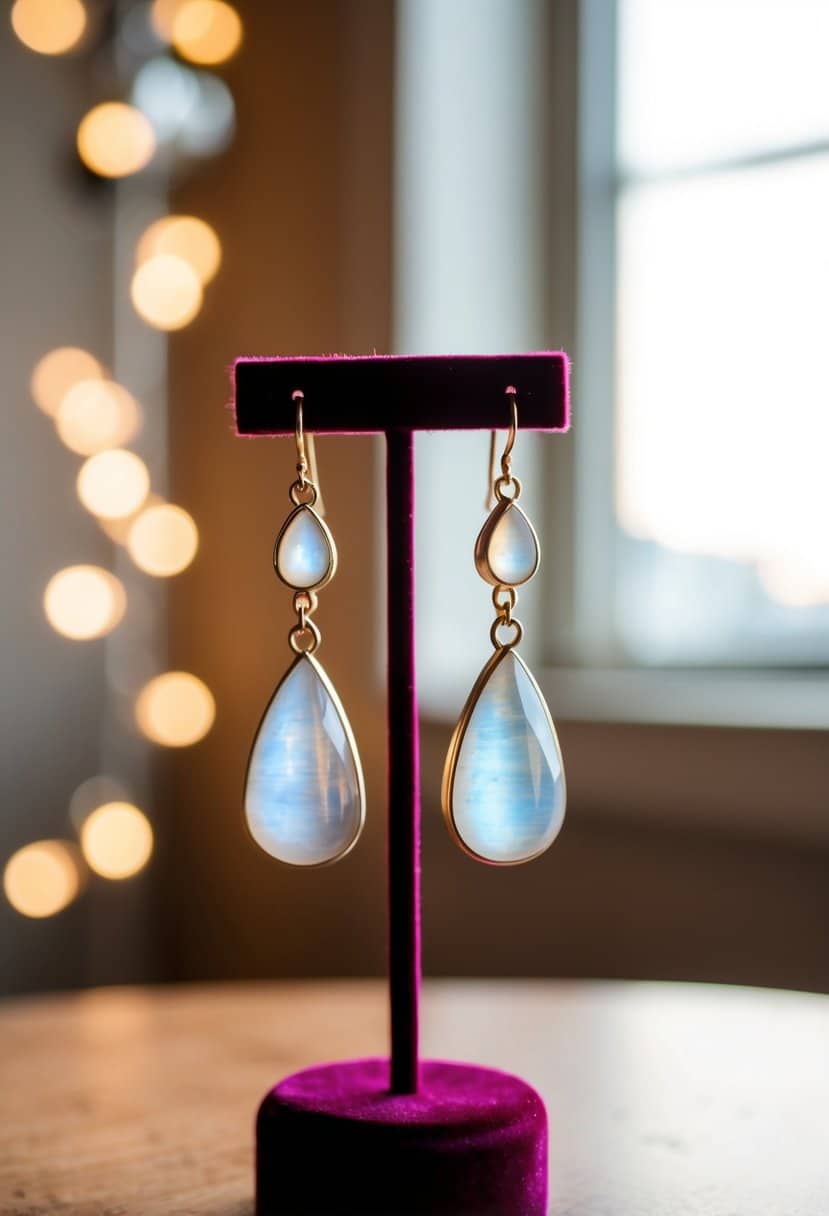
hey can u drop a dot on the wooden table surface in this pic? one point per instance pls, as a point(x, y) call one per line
point(664, 1099)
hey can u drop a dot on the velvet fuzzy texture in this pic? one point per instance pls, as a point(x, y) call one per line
point(404, 766)
point(365, 394)
point(333, 1140)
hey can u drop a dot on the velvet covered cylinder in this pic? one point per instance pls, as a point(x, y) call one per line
point(401, 1137)
point(470, 1142)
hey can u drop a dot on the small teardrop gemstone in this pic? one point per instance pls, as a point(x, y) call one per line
point(304, 551)
point(304, 799)
point(508, 546)
point(506, 796)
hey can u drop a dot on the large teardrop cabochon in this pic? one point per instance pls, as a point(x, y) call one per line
point(504, 792)
point(506, 551)
point(304, 790)
point(305, 556)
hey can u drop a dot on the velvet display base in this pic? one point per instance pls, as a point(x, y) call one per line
point(332, 1140)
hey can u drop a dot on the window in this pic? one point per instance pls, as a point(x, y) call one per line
point(720, 203)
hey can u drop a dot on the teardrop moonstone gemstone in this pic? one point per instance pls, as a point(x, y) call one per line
point(304, 791)
point(303, 555)
point(511, 548)
point(507, 798)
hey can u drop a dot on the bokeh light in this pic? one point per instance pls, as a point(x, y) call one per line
point(117, 840)
point(166, 292)
point(91, 794)
point(162, 15)
point(58, 371)
point(163, 540)
point(84, 602)
point(50, 27)
point(41, 878)
point(187, 237)
point(175, 709)
point(167, 92)
point(97, 414)
point(209, 126)
point(118, 530)
point(206, 31)
point(113, 484)
point(115, 139)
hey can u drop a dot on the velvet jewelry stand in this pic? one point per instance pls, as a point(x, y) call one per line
point(399, 1136)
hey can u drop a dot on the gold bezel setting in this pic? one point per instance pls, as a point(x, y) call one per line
point(352, 742)
point(332, 548)
point(456, 742)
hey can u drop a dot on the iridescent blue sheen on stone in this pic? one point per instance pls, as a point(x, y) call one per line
point(512, 549)
point(304, 791)
point(303, 555)
point(508, 795)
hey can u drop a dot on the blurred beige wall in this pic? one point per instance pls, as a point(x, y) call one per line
point(302, 204)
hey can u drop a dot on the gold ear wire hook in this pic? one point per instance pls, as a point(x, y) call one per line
point(301, 460)
point(313, 472)
point(506, 458)
point(306, 453)
point(489, 502)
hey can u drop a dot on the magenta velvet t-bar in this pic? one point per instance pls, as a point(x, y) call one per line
point(396, 396)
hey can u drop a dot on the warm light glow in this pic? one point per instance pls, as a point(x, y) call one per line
point(117, 840)
point(166, 292)
point(97, 414)
point(186, 237)
point(115, 139)
point(113, 484)
point(118, 530)
point(91, 794)
point(162, 15)
point(206, 31)
point(59, 371)
point(50, 27)
point(84, 602)
point(797, 580)
point(175, 709)
point(163, 540)
point(41, 878)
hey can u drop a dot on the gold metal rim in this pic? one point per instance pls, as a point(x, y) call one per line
point(447, 784)
point(349, 734)
point(485, 535)
point(332, 549)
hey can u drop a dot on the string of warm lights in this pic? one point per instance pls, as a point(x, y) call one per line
point(172, 110)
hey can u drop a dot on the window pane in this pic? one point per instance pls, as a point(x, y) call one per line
point(723, 414)
point(704, 80)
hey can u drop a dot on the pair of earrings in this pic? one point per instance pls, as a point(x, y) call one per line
point(503, 790)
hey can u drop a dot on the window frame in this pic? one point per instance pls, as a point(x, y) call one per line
point(587, 674)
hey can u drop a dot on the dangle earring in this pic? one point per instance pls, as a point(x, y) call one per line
point(503, 791)
point(304, 790)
